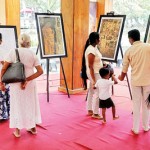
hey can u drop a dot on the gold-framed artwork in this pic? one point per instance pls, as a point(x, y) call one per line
point(147, 34)
point(110, 29)
point(51, 35)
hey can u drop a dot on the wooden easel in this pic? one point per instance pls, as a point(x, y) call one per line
point(126, 74)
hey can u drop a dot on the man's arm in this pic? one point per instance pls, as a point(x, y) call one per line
point(125, 67)
point(122, 76)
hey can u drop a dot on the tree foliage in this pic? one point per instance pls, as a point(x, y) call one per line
point(137, 14)
point(137, 11)
point(41, 5)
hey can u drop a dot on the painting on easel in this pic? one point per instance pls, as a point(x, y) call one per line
point(110, 29)
point(51, 35)
point(147, 34)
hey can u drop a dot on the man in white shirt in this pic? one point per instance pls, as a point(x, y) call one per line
point(138, 56)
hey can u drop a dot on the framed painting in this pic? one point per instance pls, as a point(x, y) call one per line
point(147, 34)
point(9, 39)
point(51, 35)
point(110, 28)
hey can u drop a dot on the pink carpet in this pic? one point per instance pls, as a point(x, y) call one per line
point(66, 126)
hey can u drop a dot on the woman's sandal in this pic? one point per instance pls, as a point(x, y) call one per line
point(134, 131)
point(16, 135)
point(31, 131)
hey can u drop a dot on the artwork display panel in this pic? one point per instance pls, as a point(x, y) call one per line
point(147, 34)
point(51, 35)
point(110, 29)
point(9, 39)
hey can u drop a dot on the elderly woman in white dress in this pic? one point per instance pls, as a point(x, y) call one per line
point(24, 104)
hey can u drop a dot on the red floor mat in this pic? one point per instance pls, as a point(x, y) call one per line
point(65, 126)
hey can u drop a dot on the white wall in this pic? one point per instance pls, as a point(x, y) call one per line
point(108, 6)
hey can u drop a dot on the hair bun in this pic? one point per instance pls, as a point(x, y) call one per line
point(24, 39)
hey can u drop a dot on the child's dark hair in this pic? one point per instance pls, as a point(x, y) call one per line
point(111, 70)
point(0, 36)
point(103, 72)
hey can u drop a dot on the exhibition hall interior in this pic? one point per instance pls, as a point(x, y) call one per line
point(59, 105)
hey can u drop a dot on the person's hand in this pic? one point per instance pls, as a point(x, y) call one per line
point(23, 85)
point(116, 82)
point(93, 85)
point(120, 78)
point(2, 86)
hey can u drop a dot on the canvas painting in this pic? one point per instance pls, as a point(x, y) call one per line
point(9, 39)
point(110, 29)
point(51, 35)
point(147, 34)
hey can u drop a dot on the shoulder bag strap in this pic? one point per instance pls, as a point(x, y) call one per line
point(17, 55)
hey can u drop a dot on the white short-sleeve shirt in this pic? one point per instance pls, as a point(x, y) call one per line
point(103, 86)
point(97, 61)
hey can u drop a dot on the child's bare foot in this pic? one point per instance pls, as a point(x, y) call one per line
point(116, 117)
point(103, 121)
